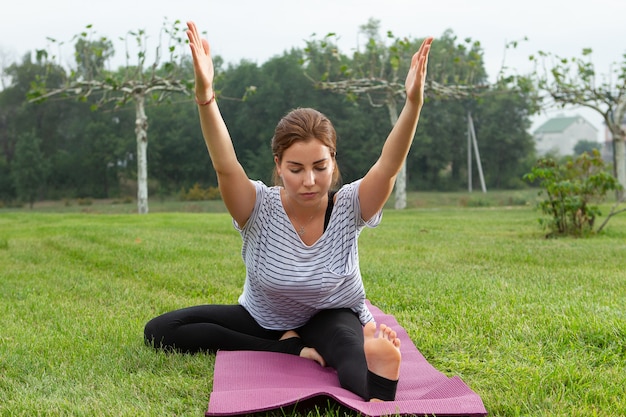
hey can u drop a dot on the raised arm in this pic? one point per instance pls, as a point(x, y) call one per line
point(236, 189)
point(378, 183)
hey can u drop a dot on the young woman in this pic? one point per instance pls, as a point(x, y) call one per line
point(303, 293)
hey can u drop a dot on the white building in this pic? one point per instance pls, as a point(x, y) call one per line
point(560, 134)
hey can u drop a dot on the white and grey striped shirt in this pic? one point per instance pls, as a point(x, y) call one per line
point(287, 282)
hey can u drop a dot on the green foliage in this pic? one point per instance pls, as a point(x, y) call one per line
point(29, 167)
point(7, 187)
point(571, 189)
point(93, 154)
point(452, 62)
point(588, 146)
point(91, 56)
point(197, 193)
point(84, 201)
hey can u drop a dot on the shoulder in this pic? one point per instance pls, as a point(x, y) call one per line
point(348, 196)
point(267, 199)
point(265, 192)
point(348, 190)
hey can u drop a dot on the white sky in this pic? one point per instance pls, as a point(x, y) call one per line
point(257, 30)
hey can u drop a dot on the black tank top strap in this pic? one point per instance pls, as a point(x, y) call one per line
point(329, 208)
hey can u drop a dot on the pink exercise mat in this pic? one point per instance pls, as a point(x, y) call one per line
point(247, 382)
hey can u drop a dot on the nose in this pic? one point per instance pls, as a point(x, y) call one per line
point(309, 178)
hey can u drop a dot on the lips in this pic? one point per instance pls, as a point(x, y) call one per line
point(308, 196)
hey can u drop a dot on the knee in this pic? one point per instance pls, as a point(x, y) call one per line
point(345, 345)
point(346, 336)
point(153, 334)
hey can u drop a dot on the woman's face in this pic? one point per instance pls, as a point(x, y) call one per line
point(307, 171)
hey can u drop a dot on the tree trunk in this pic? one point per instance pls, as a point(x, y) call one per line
point(619, 155)
point(141, 133)
point(618, 130)
point(400, 203)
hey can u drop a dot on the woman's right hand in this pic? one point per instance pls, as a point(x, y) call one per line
point(202, 63)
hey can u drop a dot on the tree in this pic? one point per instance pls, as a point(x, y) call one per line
point(17, 116)
point(5, 59)
point(135, 84)
point(575, 82)
point(375, 73)
point(502, 121)
point(178, 157)
point(583, 146)
point(29, 167)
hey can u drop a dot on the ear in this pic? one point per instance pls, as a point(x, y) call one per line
point(277, 163)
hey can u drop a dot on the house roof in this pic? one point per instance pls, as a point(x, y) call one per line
point(559, 124)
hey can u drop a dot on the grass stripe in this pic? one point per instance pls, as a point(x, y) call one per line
point(536, 326)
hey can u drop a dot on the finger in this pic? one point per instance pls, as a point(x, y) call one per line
point(192, 46)
point(423, 57)
point(193, 35)
point(414, 58)
point(206, 47)
point(191, 39)
point(194, 31)
point(422, 46)
point(425, 47)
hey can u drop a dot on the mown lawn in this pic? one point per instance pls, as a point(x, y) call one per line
point(536, 327)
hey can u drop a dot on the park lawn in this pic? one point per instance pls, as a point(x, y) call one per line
point(537, 327)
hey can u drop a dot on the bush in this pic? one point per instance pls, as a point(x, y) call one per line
point(197, 193)
point(571, 189)
point(86, 201)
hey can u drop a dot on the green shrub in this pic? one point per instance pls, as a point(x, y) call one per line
point(516, 200)
point(84, 201)
point(571, 189)
point(197, 193)
point(478, 202)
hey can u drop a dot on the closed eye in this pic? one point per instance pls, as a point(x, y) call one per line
point(317, 168)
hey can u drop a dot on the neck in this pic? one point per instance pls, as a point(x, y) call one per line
point(302, 218)
point(302, 212)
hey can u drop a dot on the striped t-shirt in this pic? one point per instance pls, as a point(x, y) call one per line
point(287, 282)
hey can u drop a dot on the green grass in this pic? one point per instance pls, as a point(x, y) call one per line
point(527, 197)
point(536, 327)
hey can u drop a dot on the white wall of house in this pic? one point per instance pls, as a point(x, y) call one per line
point(563, 142)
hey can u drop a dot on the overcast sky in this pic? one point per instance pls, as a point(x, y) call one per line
point(257, 30)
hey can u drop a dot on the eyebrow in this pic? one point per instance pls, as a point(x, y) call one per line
point(314, 163)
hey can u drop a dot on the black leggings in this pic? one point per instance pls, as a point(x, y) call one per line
point(337, 335)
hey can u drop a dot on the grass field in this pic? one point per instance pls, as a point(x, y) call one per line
point(536, 327)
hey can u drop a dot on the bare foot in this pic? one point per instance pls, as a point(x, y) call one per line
point(289, 334)
point(306, 352)
point(310, 353)
point(382, 352)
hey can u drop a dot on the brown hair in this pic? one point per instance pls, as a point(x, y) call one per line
point(304, 124)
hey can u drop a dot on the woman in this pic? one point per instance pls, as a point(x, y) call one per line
point(303, 292)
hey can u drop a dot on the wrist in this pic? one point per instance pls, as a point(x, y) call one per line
point(414, 104)
point(205, 102)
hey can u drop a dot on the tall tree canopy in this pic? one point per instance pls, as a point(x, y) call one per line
point(94, 153)
point(457, 81)
point(134, 83)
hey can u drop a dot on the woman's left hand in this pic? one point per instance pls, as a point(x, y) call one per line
point(416, 77)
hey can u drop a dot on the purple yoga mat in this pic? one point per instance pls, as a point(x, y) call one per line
point(249, 382)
